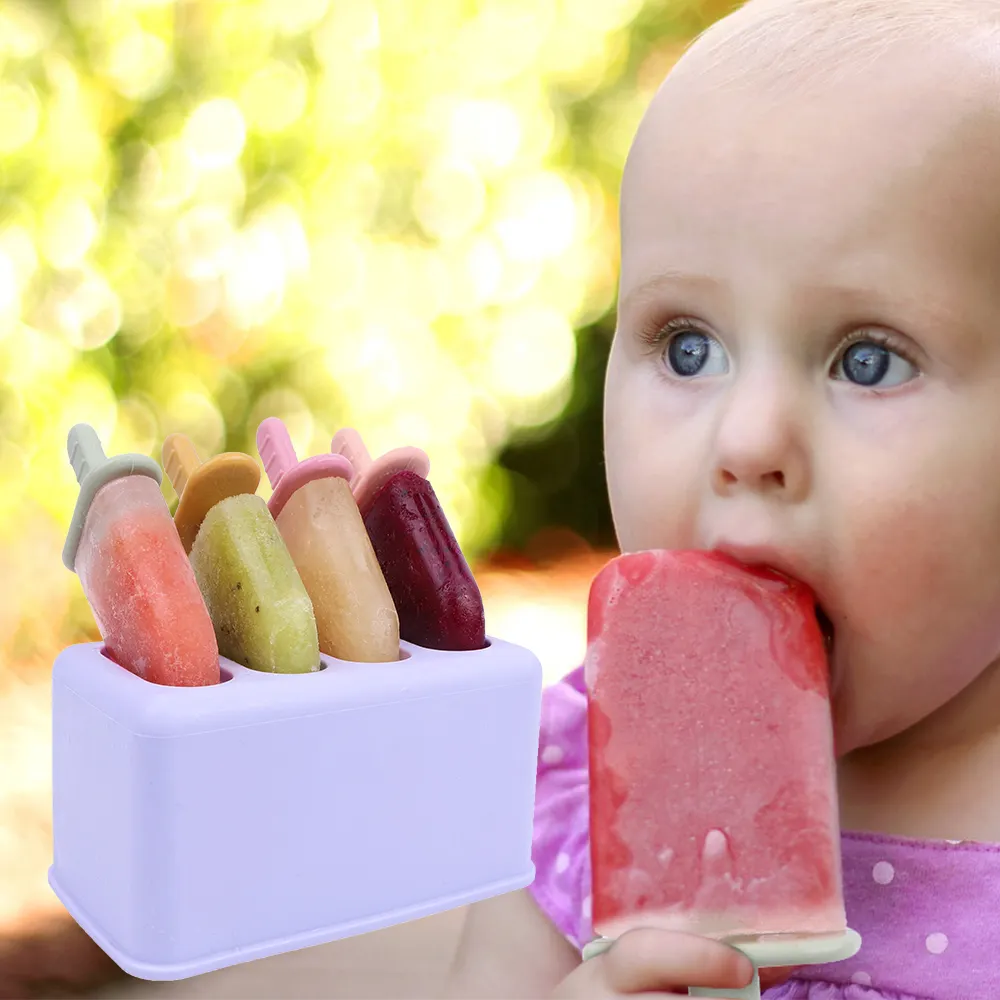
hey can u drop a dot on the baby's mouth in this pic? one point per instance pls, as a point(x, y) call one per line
point(826, 627)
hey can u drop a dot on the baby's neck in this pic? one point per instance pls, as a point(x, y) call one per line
point(935, 780)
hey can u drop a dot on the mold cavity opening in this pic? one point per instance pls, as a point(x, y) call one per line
point(224, 673)
point(305, 673)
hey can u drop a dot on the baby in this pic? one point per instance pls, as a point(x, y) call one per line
point(806, 373)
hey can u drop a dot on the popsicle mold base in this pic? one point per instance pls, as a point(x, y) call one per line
point(196, 828)
point(768, 952)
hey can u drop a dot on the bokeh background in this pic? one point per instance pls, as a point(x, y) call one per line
point(398, 215)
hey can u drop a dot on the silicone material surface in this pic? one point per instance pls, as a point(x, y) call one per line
point(196, 828)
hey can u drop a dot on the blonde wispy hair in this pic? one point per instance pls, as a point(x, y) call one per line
point(795, 40)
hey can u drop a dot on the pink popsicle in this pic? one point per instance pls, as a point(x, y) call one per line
point(712, 775)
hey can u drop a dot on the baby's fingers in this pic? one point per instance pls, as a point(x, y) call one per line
point(647, 960)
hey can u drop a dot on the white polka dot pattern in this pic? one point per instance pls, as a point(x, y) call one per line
point(883, 872)
point(936, 943)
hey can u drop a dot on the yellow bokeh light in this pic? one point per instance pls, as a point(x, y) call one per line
point(25, 28)
point(255, 277)
point(215, 133)
point(91, 313)
point(282, 224)
point(204, 239)
point(68, 229)
point(486, 133)
point(19, 114)
point(190, 410)
point(449, 200)
point(533, 353)
point(338, 270)
point(10, 295)
point(18, 246)
point(351, 25)
point(348, 95)
point(292, 17)
point(136, 428)
point(171, 175)
point(88, 397)
point(190, 299)
point(223, 187)
point(140, 64)
point(503, 40)
point(275, 96)
point(538, 218)
point(33, 356)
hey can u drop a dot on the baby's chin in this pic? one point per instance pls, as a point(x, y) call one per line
point(870, 705)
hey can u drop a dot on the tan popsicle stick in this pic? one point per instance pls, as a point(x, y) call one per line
point(201, 485)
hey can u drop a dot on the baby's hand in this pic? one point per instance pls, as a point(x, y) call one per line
point(656, 962)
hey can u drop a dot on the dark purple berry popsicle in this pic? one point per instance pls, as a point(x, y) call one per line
point(436, 596)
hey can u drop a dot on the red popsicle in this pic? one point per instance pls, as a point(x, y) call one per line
point(712, 776)
point(135, 574)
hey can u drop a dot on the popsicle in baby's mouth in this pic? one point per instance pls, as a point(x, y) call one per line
point(712, 773)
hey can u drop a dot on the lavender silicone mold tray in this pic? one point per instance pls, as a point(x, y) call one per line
point(196, 828)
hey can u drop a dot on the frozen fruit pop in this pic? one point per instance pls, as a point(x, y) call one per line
point(436, 595)
point(713, 799)
point(262, 615)
point(123, 545)
point(319, 521)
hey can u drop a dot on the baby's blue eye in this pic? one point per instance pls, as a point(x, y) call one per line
point(870, 364)
point(695, 353)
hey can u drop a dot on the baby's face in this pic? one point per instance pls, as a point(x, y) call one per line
point(806, 370)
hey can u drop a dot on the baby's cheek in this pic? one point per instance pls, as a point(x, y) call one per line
point(920, 579)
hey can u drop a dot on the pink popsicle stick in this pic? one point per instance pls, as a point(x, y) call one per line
point(285, 473)
point(370, 474)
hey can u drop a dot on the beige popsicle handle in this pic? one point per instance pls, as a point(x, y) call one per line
point(769, 953)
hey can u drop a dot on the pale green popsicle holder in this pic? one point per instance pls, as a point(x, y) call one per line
point(768, 953)
point(94, 470)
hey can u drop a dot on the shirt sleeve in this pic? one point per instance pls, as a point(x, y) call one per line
point(561, 837)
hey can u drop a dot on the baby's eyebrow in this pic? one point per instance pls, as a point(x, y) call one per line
point(672, 278)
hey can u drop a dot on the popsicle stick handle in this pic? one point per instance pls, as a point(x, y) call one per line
point(85, 450)
point(349, 443)
point(768, 953)
point(751, 992)
point(180, 459)
point(276, 449)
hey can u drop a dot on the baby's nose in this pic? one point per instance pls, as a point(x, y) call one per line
point(761, 441)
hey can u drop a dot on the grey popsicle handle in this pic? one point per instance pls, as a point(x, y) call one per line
point(85, 450)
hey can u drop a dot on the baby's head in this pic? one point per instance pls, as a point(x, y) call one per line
point(806, 369)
